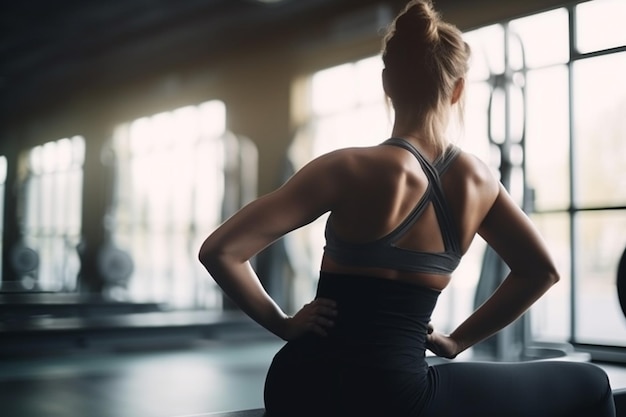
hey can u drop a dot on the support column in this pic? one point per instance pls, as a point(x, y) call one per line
point(96, 180)
point(11, 227)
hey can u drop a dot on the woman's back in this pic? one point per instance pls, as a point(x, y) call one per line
point(382, 187)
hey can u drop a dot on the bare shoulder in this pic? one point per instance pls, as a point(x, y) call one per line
point(326, 167)
point(356, 163)
point(471, 189)
point(340, 160)
point(469, 175)
point(328, 176)
point(474, 170)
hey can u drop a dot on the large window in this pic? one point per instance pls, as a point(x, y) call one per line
point(169, 194)
point(576, 147)
point(546, 89)
point(49, 212)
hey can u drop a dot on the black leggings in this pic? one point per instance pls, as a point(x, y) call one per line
point(456, 389)
point(527, 389)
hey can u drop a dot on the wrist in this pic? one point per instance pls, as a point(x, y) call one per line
point(459, 344)
point(282, 329)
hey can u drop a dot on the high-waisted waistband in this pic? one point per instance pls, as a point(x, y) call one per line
point(380, 322)
point(372, 292)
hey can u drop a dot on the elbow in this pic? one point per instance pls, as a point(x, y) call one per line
point(217, 256)
point(550, 276)
point(208, 254)
point(551, 272)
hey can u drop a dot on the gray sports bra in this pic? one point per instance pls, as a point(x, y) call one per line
point(383, 253)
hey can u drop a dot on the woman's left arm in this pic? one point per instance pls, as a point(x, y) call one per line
point(226, 252)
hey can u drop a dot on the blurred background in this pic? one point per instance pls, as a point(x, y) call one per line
point(130, 129)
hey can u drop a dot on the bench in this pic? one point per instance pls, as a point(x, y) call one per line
point(618, 394)
point(259, 412)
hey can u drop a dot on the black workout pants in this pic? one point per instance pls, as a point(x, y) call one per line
point(527, 389)
point(455, 389)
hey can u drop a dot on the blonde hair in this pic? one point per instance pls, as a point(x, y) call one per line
point(424, 58)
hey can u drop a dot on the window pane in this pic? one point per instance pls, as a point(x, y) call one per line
point(330, 89)
point(348, 85)
point(475, 138)
point(169, 194)
point(550, 316)
point(545, 38)
point(487, 45)
point(368, 78)
point(212, 118)
point(600, 130)
point(52, 196)
point(348, 128)
point(547, 137)
point(600, 25)
point(600, 243)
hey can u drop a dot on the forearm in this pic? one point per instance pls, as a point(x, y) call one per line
point(241, 284)
point(512, 298)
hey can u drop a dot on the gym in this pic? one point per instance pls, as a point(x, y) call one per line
point(129, 130)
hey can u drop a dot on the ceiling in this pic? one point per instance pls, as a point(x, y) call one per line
point(51, 48)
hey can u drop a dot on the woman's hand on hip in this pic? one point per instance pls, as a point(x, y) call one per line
point(317, 317)
point(440, 344)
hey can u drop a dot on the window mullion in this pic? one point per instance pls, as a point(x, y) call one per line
point(572, 172)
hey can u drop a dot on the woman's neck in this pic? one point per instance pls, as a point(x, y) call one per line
point(418, 139)
point(422, 135)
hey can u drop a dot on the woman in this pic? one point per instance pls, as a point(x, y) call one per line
point(402, 214)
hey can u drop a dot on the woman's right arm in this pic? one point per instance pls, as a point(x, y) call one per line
point(509, 231)
point(227, 251)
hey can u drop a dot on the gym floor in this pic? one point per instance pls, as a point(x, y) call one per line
point(207, 377)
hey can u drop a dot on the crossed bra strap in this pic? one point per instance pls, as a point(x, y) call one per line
point(434, 192)
point(383, 252)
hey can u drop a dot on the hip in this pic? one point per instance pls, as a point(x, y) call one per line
point(302, 379)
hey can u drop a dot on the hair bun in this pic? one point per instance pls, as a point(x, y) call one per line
point(419, 21)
